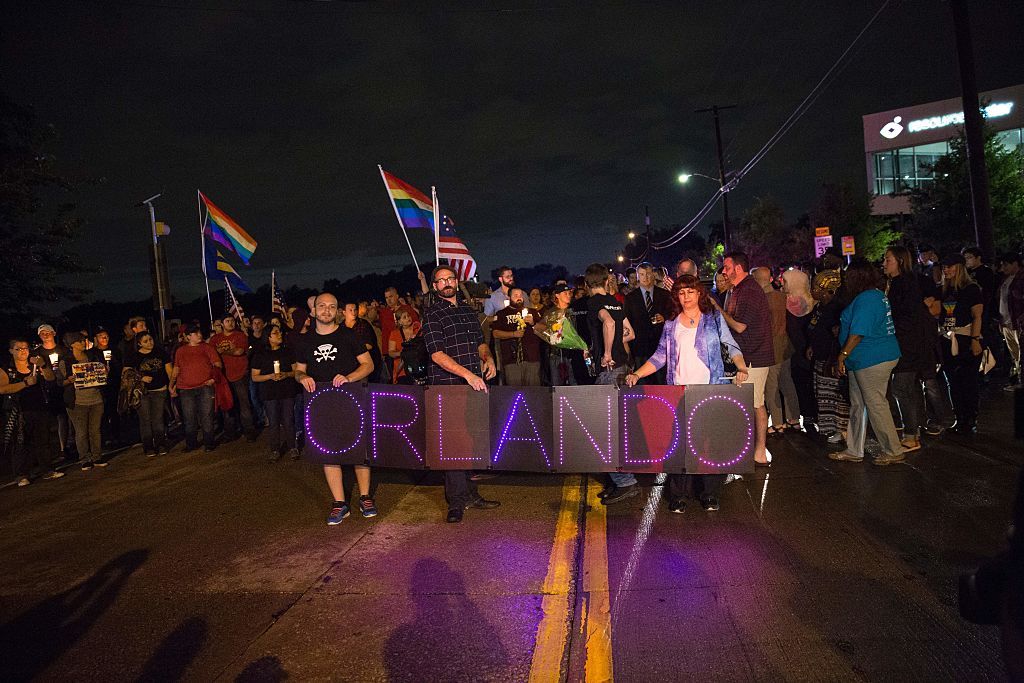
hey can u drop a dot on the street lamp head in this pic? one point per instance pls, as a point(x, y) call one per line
point(620, 258)
point(631, 235)
point(685, 177)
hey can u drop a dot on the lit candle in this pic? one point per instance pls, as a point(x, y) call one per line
point(277, 366)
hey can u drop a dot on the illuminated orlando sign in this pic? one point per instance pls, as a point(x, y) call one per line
point(697, 429)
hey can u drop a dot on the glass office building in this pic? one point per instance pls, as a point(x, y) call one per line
point(901, 146)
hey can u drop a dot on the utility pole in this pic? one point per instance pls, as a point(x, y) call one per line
point(158, 268)
point(721, 168)
point(647, 232)
point(980, 202)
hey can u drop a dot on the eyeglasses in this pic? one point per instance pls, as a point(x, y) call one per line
point(452, 279)
point(20, 348)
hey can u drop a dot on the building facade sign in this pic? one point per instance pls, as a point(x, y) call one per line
point(937, 121)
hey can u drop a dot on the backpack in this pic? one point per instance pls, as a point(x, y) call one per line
point(129, 396)
point(416, 358)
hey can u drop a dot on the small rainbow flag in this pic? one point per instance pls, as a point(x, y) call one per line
point(226, 232)
point(413, 208)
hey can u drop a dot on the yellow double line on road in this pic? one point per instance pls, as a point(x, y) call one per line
point(557, 607)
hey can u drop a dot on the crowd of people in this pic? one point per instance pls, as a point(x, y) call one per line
point(831, 348)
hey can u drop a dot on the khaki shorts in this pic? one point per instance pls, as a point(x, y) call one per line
point(758, 377)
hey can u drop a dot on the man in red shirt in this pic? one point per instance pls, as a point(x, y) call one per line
point(192, 379)
point(387, 317)
point(233, 346)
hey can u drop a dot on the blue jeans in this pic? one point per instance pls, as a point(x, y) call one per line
point(151, 419)
point(259, 413)
point(280, 431)
point(197, 404)
point(615, 378)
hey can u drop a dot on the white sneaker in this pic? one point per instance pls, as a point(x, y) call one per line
point(24, 481)
point(835, 437)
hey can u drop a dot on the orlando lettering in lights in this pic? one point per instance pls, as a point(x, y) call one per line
point(697, 429)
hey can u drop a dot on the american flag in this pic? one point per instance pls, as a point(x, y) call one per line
point(276, 296)
point(450, 247)
point(231, 305)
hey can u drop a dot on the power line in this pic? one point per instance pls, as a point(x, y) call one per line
point(800, 110)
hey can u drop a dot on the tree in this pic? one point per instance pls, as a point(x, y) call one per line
point(943, 212)
point(847, 211)
point(38, 222)
point(767, 239)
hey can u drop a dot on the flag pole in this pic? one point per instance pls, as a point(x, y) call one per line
point(234, 303)
point(202, 241)
point(398, 217)
point(437, 226)
point(273, 288)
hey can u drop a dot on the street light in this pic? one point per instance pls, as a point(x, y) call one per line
point(685, 177)
point(631, 235)
point(620, 258)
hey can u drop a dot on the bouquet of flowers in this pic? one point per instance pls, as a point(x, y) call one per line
point(559, 332)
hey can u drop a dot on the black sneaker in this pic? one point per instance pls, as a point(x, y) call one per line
point(481, 503)
point(606, 491)
point(621, 493)
point(709, 503)
point(454, 516)
point(102, 462)
point(162, 449)
point(86, 465)
point(678, 506)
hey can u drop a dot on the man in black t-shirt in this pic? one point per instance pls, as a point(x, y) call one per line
point(609, 333)
point(331, 353)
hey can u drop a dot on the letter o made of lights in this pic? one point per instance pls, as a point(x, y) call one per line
point(309, 424)
point(749, 437)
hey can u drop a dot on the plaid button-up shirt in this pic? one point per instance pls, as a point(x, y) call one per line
point(455, 330)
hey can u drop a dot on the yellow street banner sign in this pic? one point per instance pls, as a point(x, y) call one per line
point(822, 231)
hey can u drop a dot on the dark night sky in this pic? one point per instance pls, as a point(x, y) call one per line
point(545, 126)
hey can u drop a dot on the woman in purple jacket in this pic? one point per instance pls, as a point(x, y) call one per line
point(691, 351)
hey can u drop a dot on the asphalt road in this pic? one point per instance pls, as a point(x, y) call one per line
point(220, 566)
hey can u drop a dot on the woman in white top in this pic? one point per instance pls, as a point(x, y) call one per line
point(691, 351)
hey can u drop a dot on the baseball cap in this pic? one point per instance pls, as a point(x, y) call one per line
point(561, 287)
point(45, 326)
point(952, 260)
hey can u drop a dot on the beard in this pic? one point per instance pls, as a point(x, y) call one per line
point(447, 291)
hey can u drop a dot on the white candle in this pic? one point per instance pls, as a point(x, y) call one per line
point(277, 366)
point(53, 359)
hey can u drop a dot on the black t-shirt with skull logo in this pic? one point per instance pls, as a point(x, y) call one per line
point(327, 355)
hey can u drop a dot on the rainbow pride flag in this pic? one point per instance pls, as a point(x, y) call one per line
point(226, 232)
point(413, 208)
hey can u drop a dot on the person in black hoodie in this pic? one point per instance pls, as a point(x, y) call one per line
point(915, 332)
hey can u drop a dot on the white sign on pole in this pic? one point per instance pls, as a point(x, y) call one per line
point(821, 243)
